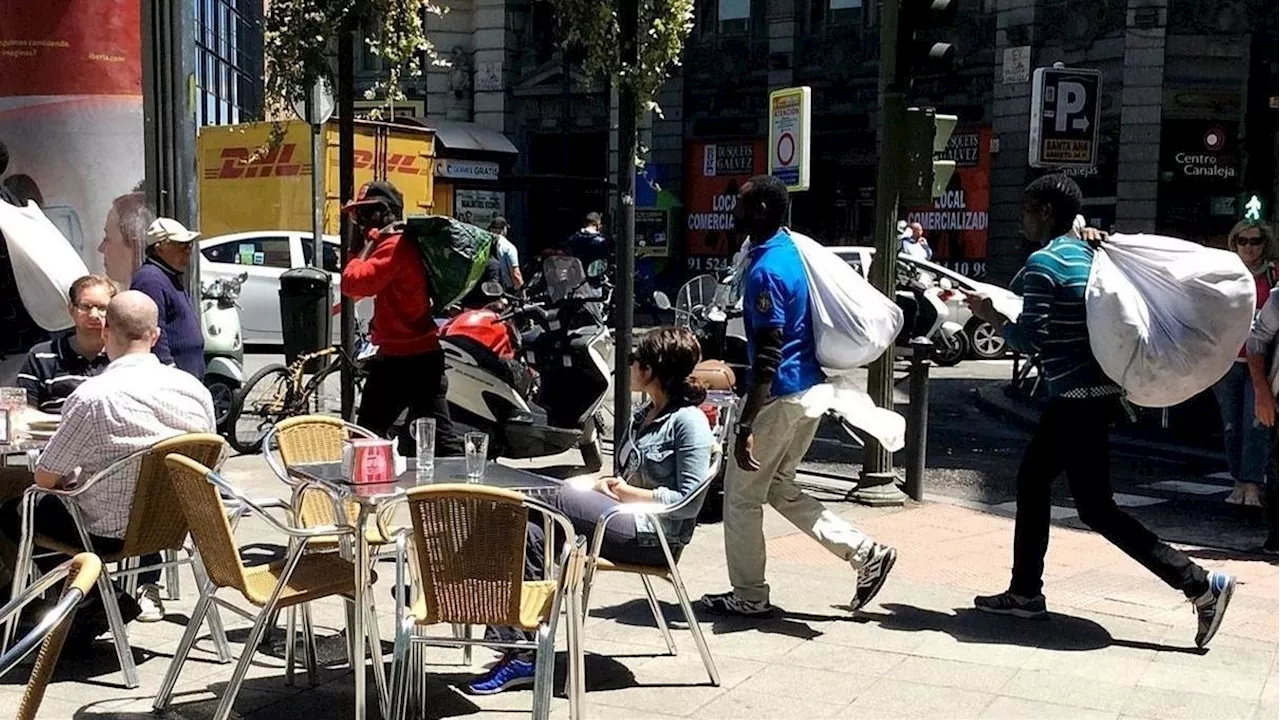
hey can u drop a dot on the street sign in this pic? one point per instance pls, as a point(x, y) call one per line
point(1065, 106)
point(789, 136)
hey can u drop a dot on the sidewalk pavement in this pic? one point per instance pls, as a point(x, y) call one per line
point(1119, 644)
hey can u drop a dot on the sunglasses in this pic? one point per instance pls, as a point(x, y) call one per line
point(633, 358)
point(1250, 241)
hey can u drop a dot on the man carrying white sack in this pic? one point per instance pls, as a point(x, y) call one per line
point(1073, 434)
point(775, 429)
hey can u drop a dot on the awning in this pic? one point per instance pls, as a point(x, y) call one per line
point(470, 136)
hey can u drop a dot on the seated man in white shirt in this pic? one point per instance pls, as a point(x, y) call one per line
point(135, 403)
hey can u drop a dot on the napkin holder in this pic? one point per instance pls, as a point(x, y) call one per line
point(368, 461)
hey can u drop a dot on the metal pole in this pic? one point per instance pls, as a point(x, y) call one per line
point(628, 114)
point(918, 417)
point(346, 92)
point(877, 485)
point(318, 167)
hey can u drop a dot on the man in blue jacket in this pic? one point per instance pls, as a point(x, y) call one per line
point(169, 248)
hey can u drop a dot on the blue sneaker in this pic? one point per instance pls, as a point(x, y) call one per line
point(1212, 605)
point(510, 673)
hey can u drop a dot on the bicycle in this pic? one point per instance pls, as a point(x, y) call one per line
point(277, 392)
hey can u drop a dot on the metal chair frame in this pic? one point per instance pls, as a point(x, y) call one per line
point(128, 568)
point(567, 575)
point(208, 603)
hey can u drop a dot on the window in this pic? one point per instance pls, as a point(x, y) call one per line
point(228, 61)
point(734, 16)
point(329, 251)
point(260, 252)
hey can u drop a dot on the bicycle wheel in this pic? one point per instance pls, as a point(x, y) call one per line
point(324, 390)
point(264, 401)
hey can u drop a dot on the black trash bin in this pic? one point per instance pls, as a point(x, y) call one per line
point(305, 304)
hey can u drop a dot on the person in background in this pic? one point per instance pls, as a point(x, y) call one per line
point(1074, 431)
point(408, 371)
point(589, 244)
point(1262, 372)
point(915, 244)
point(507, 254)
point(775, 429)
point(668, 457)
point(123, 234)
point(169, 248)
point(1248, 443)
point(133, 404)
point(54, 369)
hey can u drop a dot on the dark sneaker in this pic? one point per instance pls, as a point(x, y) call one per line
point(511, 673)
point(1212, 606)
point(871, 576)
point(1006, 603)
point(730, 604)
point(1269, 546)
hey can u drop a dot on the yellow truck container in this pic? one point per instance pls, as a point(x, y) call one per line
point(274, 191)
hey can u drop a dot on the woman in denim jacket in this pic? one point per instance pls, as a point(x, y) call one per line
point(667, 456)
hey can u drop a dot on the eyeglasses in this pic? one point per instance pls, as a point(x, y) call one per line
point(87, 308)
point(1252, 240)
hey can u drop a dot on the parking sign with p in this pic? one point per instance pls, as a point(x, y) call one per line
point(1065, 107)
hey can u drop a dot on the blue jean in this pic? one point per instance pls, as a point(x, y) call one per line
point(1247, 442)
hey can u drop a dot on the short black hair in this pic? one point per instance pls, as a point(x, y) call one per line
point(4, 157)
point(1061, 194)
point(498, 223)
point(593, 218)
point(773, 193)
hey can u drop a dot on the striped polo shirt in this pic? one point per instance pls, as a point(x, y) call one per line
point(1052, 322)
point(53, 370)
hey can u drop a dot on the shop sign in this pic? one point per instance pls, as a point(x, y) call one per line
point(956, 222)
point(477, 207)
point(455, 169)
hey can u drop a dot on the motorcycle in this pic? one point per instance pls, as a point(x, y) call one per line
point(539, 391)
point(223, 348)
point(925, 314)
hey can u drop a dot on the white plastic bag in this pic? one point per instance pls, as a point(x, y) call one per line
point(44, 264)
point(1166, 317)
point(853, 323)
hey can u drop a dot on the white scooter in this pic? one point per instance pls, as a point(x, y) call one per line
point(927, 316)
point(223, 348)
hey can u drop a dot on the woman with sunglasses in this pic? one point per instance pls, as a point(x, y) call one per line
point(667, 456)
point(1247, 442)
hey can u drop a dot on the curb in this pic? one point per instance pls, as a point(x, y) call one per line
point(997, 405)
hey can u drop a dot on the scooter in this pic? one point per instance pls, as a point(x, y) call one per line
point(925, 314)
point(223, 348)
point(537, 392)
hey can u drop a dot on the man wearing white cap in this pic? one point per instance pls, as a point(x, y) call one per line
point(169, 247)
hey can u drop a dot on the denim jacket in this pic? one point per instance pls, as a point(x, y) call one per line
point(670, 456)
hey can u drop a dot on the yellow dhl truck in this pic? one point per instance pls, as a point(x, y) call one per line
point(273, 192)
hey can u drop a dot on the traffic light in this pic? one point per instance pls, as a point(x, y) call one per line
point(924, 176)
point(921, 47)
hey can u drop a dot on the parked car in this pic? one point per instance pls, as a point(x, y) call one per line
point(985, 342)
point(264, 255)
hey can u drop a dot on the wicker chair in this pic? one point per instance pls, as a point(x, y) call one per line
point(726, 406)
point(469, 550)
point(81, 573)
point(298, 579)
point(155, 526)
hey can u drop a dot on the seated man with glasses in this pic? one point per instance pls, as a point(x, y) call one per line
point(54, 369)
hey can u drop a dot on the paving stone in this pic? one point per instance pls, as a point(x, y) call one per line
point(1175, 705)
point(1050, 687)
point(744, 703)
point(984, 653)
point(1008, 708)
point(955, 674)
point(824, 656)
point(1239, 684)
point(890, 698)
point(839, 688)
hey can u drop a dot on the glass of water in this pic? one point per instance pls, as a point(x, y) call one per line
point(12, 399)
point(424, 435)
point(476, 445)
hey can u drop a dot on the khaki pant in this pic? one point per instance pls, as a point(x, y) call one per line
point(782, 437)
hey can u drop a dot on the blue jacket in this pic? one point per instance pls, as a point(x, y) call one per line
point(181, 340)
point(670, 456)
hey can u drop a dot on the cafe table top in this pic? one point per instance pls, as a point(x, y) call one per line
point(447, 470)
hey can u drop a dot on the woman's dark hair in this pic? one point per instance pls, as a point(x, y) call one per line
point(671, 354)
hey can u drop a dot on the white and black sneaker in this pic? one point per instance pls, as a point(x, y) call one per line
point(1212, 606)
point(152, 609)
point(730, 604)
point(871, 576)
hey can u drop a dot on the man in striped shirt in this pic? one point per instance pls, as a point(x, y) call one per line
point(1073, 435)
point(54, 369)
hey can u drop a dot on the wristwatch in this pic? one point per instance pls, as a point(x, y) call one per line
point(740, 428)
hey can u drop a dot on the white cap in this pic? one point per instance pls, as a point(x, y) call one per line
point(169, 230)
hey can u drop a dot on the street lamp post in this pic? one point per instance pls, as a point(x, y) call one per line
point(628, 114)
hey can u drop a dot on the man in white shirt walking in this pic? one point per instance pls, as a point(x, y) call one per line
point(507, 255)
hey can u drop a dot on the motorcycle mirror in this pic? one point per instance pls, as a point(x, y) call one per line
point(662, 301)
point(491, 289)
point(716, 315)
point(945, 283)
point(596, 269)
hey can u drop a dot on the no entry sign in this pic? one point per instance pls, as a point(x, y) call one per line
point(789, 136)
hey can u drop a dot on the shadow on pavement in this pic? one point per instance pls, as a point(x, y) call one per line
point(968, 625)
point(1219, 554)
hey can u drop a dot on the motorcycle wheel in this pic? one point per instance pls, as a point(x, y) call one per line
point(949, 353)
point(224, 398)
point(592, 456)
point(264, 401)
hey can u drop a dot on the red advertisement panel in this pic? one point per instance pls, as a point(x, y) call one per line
point(956, 223)
point(715, 171)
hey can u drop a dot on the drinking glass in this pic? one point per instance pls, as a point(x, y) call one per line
point(424, 434)
point(12, 399)
point(476, 445)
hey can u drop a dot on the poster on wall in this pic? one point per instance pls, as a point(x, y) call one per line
point(71, 121)
point(956, 223)
point(651, 233)
point(477, 207)
point(716, 171)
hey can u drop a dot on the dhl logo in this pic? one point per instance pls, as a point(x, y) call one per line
point(279, 163)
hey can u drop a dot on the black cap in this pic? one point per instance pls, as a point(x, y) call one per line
point(378, 192)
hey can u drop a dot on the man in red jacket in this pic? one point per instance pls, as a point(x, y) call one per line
point(408, 372)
